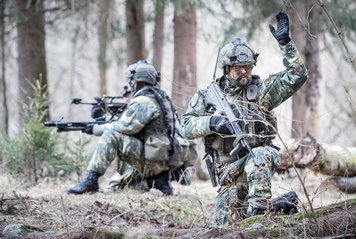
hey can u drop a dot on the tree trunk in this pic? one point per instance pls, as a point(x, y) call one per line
point(104, 12)
point(299, 104)
point(184, 72)
point(326, 159)
point(312, 60)
point(135, 31)
point(4, 113)
point(158, 36)
point(347, 185)
point(31, 48)
point(305, 101)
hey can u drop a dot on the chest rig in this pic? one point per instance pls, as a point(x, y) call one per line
point(260, 128)
point(165, 123)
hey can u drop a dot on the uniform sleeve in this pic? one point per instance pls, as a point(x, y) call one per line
point(195, 123)
point(279, 87)
point(99, 129)
point(140, 111)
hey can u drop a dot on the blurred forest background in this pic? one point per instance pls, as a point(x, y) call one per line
point(54, 50)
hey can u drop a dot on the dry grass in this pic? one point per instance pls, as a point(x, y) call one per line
point(186, 214)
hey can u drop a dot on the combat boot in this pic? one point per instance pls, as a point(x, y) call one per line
point(89, 184)
point(161, 182)
point(285, 204)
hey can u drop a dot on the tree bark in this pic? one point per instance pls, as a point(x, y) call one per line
point(299, 98)
point(344, 184)
point(104, 12)
point(312, 60)
point(158, 36)
point(305, 101)
point(4, 112)
point(31, 48)
point(184, 72)
point(135, 31)
point(322, 158)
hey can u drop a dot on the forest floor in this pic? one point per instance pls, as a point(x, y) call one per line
point(46, 212)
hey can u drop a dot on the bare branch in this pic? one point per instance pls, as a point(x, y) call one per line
point(339, 34)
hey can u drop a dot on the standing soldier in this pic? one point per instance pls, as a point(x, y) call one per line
point(244, 162)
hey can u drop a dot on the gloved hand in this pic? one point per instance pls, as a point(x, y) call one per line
point(89, 129)
point(282, 32)
point(221, 125)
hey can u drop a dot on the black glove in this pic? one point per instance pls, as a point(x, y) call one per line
point(282, 32)
point(221, 125)
point(97, 112)
point(89, 129)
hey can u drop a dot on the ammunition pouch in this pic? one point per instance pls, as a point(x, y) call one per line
point(179, 152)
point(157, 147)
point(189, 151)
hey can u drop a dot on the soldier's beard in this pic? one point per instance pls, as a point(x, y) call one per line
point(239, 82)
point(242, 81)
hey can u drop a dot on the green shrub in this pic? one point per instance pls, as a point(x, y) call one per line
point(37, 151)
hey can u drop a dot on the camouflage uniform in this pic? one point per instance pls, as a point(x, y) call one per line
point(127, 175)
point(124, 137)
point(245, 183)
point(140, 138)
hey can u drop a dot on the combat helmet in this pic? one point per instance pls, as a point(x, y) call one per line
point(130, 71)
point(142, 71)
point(237, 52)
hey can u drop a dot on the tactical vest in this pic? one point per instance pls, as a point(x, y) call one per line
point(165, 124)
point(261, 128)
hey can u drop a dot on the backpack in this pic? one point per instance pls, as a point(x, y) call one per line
point(176, 151)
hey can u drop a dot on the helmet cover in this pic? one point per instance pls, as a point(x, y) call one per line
point(237, 52)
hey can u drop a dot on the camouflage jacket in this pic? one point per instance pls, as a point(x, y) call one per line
point(142, 116)
point(270, 93)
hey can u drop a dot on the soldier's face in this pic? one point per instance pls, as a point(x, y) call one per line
point(240, 75)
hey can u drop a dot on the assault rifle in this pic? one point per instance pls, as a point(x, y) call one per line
point(63, 126)
point(215, 98)
point(106, 104)
point(103, 111)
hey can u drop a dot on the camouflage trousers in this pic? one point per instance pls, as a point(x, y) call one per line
point(244, 186)
point(129, 149)
point(128, 176)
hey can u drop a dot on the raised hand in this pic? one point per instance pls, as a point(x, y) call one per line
point(282, 32)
